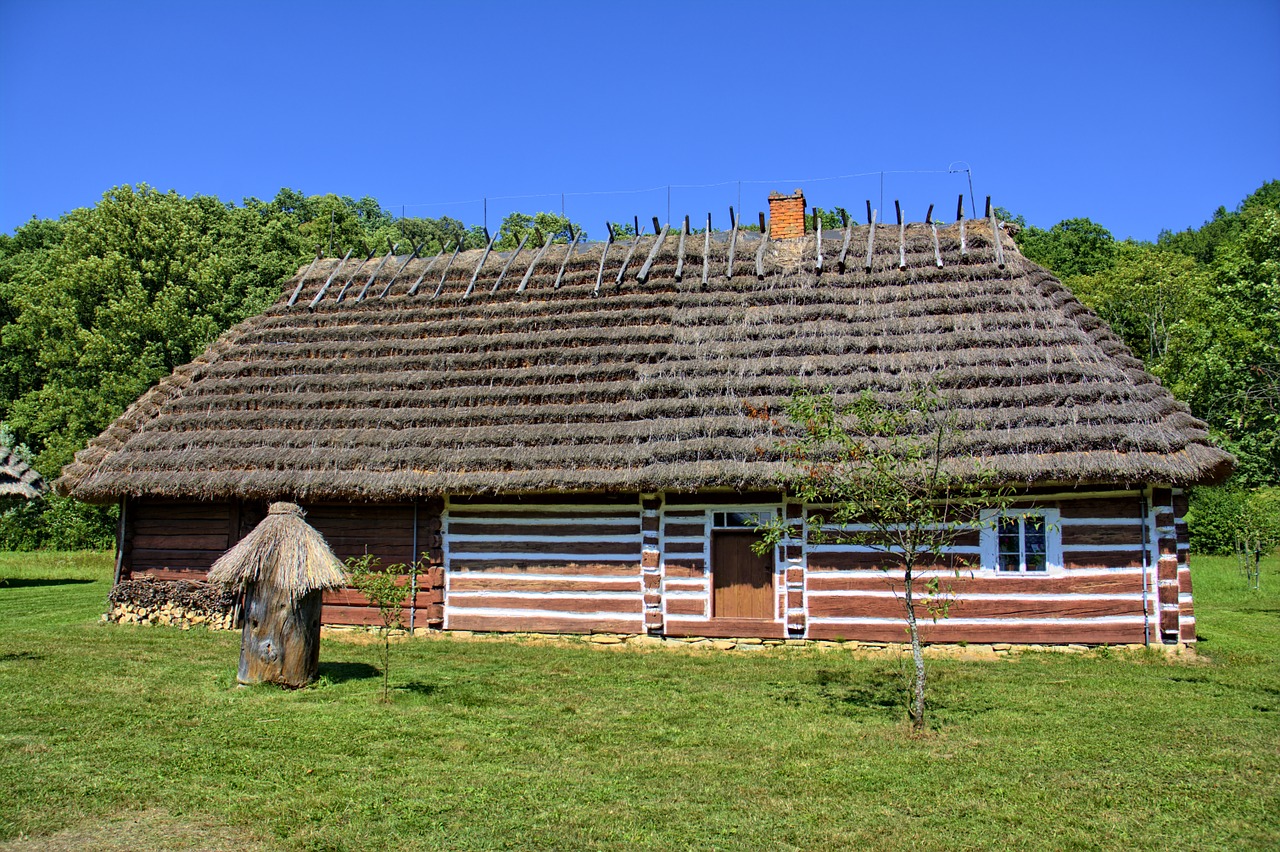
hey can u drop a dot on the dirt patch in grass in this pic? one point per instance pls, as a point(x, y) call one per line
point(142, 831)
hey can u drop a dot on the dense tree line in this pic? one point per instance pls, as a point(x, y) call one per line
point(1201, 307)
point(99, 304)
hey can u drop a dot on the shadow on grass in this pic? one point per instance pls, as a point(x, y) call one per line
point(16, 656)
point(417, 687)
point(343, 672)
point(25, 583)
point(884, 692)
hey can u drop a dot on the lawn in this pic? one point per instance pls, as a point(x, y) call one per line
point(122, 737)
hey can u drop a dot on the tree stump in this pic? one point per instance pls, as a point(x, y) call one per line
point(280, 642)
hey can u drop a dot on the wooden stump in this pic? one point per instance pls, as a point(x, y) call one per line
point(281, 638)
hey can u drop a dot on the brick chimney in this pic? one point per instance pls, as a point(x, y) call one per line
point(786, 215)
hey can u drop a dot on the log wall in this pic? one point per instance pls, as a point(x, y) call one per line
point(172, 540)
point(640, 563)
point(1096, 598)
point(546, 564)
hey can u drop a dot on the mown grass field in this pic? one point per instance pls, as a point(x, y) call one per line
point(118, 737)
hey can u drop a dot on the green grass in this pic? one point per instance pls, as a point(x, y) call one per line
point(139, 734)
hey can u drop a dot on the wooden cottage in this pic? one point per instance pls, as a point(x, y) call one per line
point(566, 431)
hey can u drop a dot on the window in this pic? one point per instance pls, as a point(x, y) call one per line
point(740, 520)
point(1022, 541)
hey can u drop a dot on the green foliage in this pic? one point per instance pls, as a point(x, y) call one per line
point(1213, 518)
point(387, 589)
point(557, 229)
point(97, 306)
point(831, 220)
point(1071, 247)
point(887, 475)
point(1201, 308)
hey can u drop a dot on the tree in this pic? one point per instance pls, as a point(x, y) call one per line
point(553, 227)
point(1071, 247)
point(892, 483)
point(1258, 531)
point(387, 589)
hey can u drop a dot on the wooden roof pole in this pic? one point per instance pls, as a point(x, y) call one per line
point(706, 251)
point(447, 266)
point(995, 234)
point(408, 260)
point(510, 261)
point(416, 284)
point(871, 235)
point(528, 273)
point(643, 275)
point(626, 260)
point(937, 249)
point(733, 242)
point(347, 286)
point(471, 285)
point(604, 254)
point(365, 289)
point(964, 249)
point(817, 230)
point(297, 291)
point(568, 252)
point(684, 232)
point(764, 242)
point(848, 237)
point(320, 293)
point(902, 236)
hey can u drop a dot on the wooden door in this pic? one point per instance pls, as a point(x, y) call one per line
point(741, 580)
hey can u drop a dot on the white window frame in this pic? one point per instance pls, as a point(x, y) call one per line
point(989, 539)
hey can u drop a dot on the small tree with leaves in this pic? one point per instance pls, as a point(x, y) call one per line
point(386, 589)
point(887, 479)
point(1257, 531)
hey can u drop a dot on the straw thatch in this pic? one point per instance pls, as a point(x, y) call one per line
point(283, 552)
point(18, 479)
point(643, 385)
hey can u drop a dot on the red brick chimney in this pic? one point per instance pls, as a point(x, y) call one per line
point(786, 215)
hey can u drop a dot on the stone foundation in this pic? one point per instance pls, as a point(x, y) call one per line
point(173, 603)
point(995, 650)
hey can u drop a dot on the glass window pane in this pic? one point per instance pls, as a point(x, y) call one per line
point(1010, 562)
point(1037, 562)
point(1035, 538)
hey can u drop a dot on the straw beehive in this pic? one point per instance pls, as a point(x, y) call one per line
point(283, 566)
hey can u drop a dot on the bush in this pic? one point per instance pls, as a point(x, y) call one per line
point(57, 523)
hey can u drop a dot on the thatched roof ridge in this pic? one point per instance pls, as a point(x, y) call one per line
point(17, 477)
point(593, 385)
point(284, 552)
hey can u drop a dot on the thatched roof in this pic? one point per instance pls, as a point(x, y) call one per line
point(17, 477)
point(646, 385)
point(283, 551)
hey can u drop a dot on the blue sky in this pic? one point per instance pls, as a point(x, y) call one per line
point(1139, 115)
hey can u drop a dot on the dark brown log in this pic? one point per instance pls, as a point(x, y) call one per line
point(1101, 534)
point(280, 641)
point(1102, 559)
point(1019, 583)
point(548, 603)
point(880, 606)
point(616, 570)
point(687, 606)
point(509, 624)
point(489, 583)
point(686, 568)
point(946, 631)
